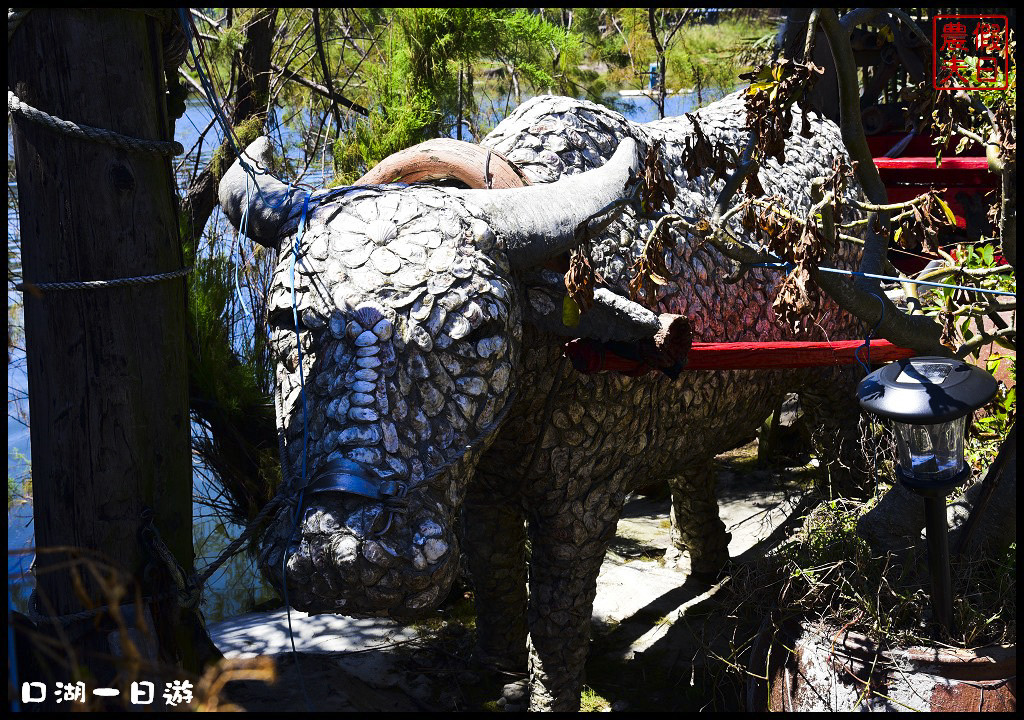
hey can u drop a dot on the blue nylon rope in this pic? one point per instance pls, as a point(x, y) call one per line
point(298, 340)
point(837, 271)
point(866, 364)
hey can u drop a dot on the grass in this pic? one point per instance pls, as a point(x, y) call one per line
point(590, 701)
point(828, 571)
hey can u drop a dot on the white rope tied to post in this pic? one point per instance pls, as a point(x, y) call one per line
point(86, 132)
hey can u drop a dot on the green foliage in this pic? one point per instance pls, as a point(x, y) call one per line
point(992, 424)
point(19, 476)
point(222, 48)
point(832, 572)
point(415, 87)
point(220, 373)
point(995, 97)
point(962, 313)
point(987, 605)
point(708, 57)
point(230, 381)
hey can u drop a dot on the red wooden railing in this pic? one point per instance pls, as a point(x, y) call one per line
point(589, 356)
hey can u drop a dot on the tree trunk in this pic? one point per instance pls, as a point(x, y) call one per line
point(106, 368)
point(660, 50)
point(254, 73)
point(250, 101)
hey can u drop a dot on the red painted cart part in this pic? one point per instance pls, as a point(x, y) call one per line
point(953, 172)
point(919, 145)
point(760, 355)
point(590, 356)
point(957, 164)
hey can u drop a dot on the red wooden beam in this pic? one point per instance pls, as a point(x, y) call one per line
point(590, 356)
point(762, 355)
point(953, 172)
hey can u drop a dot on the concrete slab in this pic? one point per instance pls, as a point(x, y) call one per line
point(267, 633)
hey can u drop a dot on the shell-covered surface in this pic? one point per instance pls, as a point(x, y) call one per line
point(408, 334)
point(418, 365)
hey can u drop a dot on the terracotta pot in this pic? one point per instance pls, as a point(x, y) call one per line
point(809, 666)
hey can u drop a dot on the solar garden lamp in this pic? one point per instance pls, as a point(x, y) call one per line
point(929, 400)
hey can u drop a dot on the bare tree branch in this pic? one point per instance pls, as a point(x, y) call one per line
point(205, 18)
point(339, 99)
point(318, 39)
point(812, 31)
point(985, 338)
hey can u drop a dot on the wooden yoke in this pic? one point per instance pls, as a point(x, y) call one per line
point(447, 159)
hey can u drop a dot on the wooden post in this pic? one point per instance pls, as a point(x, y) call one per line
point(107, 370)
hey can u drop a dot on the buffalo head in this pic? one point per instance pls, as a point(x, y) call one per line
point(410, 309)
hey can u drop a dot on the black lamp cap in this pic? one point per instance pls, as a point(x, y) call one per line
point(926, 390)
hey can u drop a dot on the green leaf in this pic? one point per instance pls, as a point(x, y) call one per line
point(947, 210)
point(988, 254)
point(570, 312)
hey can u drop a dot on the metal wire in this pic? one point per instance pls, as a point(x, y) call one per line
point(855, 273)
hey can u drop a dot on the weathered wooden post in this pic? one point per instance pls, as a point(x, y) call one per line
point(108, 392)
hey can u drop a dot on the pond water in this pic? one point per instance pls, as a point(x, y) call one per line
point(237, 586)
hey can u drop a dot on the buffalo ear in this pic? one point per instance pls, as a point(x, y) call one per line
point(251, 193)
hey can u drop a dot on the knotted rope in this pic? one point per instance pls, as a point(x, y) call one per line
point(87, 132)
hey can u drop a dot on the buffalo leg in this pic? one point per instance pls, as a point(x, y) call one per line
point(496, 547)
point(563, 584)
point(830, 402)
point(696, 526)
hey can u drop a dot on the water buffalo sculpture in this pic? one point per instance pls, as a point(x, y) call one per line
point(437, 394)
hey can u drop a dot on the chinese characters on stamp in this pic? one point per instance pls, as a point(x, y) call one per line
point(970, 52)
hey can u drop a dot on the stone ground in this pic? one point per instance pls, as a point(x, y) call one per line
point(656, 632)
